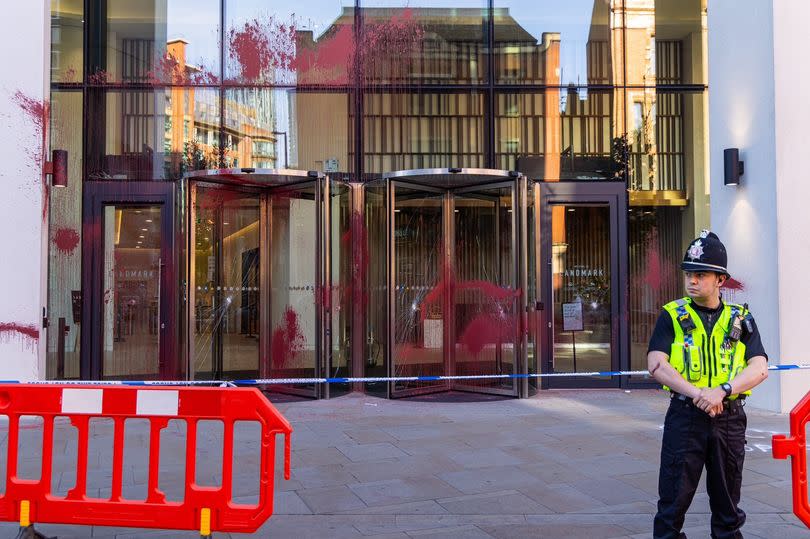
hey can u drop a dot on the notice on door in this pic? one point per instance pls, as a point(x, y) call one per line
point(572, 316)
point(433, 333)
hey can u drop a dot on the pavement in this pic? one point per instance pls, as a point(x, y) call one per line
point(565, 463)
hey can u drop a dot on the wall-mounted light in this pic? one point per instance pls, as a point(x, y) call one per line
point(58, 168)
point(733, 168)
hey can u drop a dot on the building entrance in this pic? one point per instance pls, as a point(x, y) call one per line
point(256, 273)
point(453, 260)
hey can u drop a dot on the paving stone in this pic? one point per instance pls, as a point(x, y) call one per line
point(402, 490)
point(503, 503)
point(330, 499)
point(370, 452)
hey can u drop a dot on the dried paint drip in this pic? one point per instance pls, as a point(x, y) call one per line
point(261, 46)
point(66, 240)
point(356, 239)
point(389, 47)
point(287, 341)
point(38, 113)
point(28, 334)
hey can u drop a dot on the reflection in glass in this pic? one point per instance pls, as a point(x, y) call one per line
point(158, 134)
point(170, 41)
point(420, 287)
point(558, 135)
point(282, 128)
point(581, 261)
point(65, 234)
point(662, 150)
point(433, 43)
point(484, 294)
point(67, 40)
point(309, 43)
point(132, 270)
point(666, 42)
point(415, 130)
point(557, 43)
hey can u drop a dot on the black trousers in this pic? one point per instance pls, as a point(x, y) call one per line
point(692, 439)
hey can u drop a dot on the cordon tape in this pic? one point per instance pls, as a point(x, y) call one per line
point(344, 380)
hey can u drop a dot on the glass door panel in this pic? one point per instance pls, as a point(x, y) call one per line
point(581, 289)
point(419, 299)
point(294, 280)
point(343, 223)
point(132, 276)
point(226, 283)
point(239, 297)
point(484, 296)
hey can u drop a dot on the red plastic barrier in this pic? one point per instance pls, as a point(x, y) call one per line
point(795, 446)
point(203, 508)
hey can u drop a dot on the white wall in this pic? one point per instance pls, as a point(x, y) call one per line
point(792, 114)
point(23, 243)
point(756, 68)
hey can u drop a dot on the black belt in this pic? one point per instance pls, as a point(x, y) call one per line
point(739, 401)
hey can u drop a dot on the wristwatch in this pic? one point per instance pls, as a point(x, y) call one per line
point(727, 388)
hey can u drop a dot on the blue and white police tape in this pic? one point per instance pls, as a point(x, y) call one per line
point(345, 380)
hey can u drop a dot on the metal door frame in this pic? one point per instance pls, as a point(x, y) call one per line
point(614, 194)
point(97, 195)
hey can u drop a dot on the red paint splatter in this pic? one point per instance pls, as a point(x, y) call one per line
point(287, 340)
point(356, 240)
point(39, 113)
point(66, 240)
point(27, 333)
point(260, 46)
point(99, 77)
point(488, 328)
point(733, 284)
point(491, 291)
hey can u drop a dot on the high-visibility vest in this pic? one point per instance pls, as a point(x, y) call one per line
point(705, 360)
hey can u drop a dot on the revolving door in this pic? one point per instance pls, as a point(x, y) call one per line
point(257, 265)
point(447, 276)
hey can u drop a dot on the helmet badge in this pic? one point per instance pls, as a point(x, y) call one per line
point(696, 250)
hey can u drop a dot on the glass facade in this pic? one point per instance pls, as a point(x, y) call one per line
point(583, 92)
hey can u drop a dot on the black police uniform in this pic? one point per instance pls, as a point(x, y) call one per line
point(692, 439)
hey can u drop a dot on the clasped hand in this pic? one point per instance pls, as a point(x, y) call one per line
point(710, 400)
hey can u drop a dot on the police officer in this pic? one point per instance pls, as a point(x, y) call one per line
point(709, 355)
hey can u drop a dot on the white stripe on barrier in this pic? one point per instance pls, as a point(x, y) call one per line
point(82, 401)
point(157, 402)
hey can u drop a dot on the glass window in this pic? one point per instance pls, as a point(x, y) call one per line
point(148, 135)
point(64, 247)
point(67, 40)
point(667, 142)
point(310, 43)
point(665, 42)
point(423, 130)
point(424, 42)
point(558, 134)
point(172, 41)
point(285, 128)
point(656, 239)
point(557, 43)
